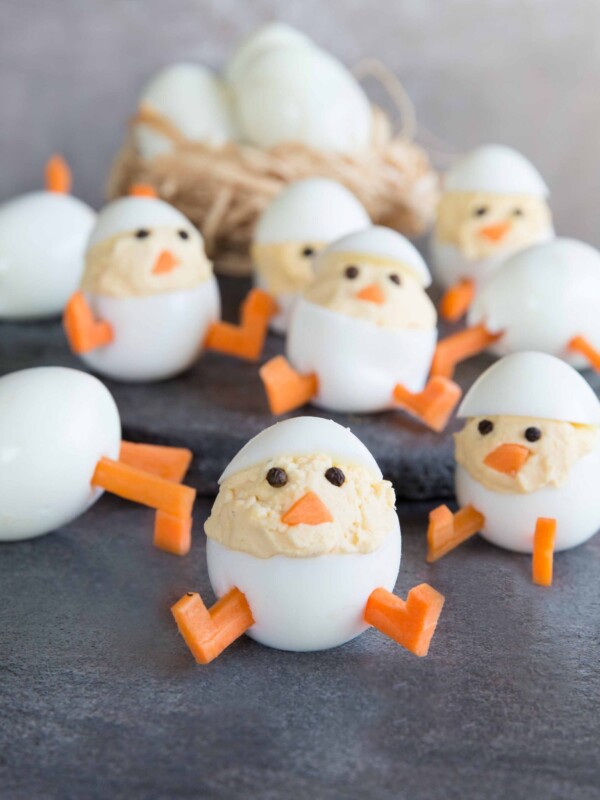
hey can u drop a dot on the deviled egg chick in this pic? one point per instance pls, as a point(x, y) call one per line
point(304, 549)
point(528, 462)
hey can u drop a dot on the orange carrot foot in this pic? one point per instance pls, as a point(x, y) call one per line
point(246, 340)
point(457, 300)
point(447, 530)
point(433, 405)
point(83, 331)
point(58, 175)
point(579, 344)
point(411, 623)
point(173, 534)
point(543, 551)
point(208, 633)
point(460, 346)
point(286, 389)
point(170, 463)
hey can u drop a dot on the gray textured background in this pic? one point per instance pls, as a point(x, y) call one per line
point(522, 72)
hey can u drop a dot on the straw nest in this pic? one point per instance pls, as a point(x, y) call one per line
point(224, 189)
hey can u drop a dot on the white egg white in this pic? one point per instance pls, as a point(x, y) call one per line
point(357, 363)
point(55, 425)
point(43, 236)
point(155, 336)
point(305, 604)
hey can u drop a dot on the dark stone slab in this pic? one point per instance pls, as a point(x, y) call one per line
point(99, 697)
point(220, 403)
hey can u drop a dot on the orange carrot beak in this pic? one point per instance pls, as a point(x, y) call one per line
point(166, 262)
point(495, 232)
point(372, 293)
point(507, 458)
point(309, 510)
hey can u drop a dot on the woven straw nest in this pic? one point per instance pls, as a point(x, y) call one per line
point(224, 189)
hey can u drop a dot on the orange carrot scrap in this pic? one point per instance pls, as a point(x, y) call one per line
point(447, 531)
point(581, 345)
point(460, 346)
point(173, 534)
point(247, 339)
point(170, 463)
point(457, 300)
point(83, 332)
point(372, 293)
point(308, 510)
point(142, 487)
point(286, 389)
point(208, 633)
point(543, 551)
point(58, 175)
point(411, 623)
point(434, 404)
point(142, 190)
point(507, 458)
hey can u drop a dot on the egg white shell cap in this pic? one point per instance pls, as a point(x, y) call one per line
point(384, 243)
point(302, 436)
point(498, 169)
point(531, 384)
point(315, 209)
point(130, 213)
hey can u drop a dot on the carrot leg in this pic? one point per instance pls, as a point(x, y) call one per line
point(246, 340)
point(457, 300)
point(581, 345)
point(58, 175)
point(411, 623)
point(543, 551)
point(433, 405)
point(460, 346)
point(173, 502)
point(447, 530)
point(208, 632)
point(83, 331)
point(170, 463)
point(286, 389)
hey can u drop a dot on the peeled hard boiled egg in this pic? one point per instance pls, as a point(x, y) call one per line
point(268, 37)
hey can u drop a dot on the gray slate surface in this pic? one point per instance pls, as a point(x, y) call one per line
point(100, 699)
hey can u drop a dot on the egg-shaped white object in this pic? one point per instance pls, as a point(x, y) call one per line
point(156, 336)
point(191, 98)
point(272, 36)
point(43, 237)
point(55, 425)
point(357, 364)
point(531, 384)
point(309, 210)
point(381, 242)
point(495, 168)
point(302, 95)
point(541, 298)
point(306, 604)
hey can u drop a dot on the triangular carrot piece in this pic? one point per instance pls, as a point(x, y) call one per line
point(308, 510)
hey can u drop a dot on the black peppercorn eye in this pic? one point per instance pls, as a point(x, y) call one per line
point(183, 234)
point(277, 477)
point(533, 434)
point(395, 279)
point(480, 211)
point(335, 476)
point(308, 252)
point(351, 272)
point(517, 212)
point(485, 426)
point(142, 233)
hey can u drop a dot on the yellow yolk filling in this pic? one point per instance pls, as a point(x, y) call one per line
point(283, 267)
point(247, 513)
point(551, 457)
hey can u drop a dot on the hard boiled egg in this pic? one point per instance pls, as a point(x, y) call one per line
point(274, 35)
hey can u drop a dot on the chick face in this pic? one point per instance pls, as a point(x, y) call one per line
point(285, 267)
point(383, 292)
point(519, 455)
point(483, 224)
point(302, 506)
point(147, 261)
